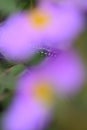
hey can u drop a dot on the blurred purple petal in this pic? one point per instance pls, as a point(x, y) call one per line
point(33, 105)
point(66, 25)
point(66, 72)
point(81, 5)
point(25, 32)
point(24, 115)
point(18, 40)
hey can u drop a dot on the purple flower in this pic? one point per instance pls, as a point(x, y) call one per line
point(66, 25)
point(24, 33)
point(65, 71)
point(79, 4)
point(18, 39)
point(26, 114)
point(33, 103)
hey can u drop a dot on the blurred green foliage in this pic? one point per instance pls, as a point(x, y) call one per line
point(70, 114)
point(8, 6)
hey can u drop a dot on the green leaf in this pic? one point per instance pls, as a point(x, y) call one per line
point(8, 6)
point(36, 59)
point(25, 4)
point(8, 78)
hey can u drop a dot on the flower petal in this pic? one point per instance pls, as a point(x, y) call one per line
point(66, 72)
point(18, 39)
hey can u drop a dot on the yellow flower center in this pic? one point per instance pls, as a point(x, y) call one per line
point(39, 18)
point(44, 93)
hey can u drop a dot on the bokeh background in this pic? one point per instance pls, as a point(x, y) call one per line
point(70, 114)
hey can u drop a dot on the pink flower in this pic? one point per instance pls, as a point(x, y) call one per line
point(19, 41)
point(66, 25)
point(79, 4)
point(34, 100)
point(24, 114)
point(25, 32)
point(32, 106)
